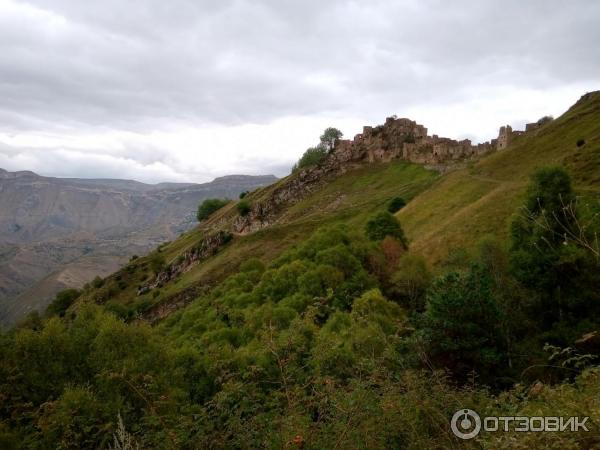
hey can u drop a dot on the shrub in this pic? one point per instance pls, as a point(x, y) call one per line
point(396, 204)
point(243, 194)
point(384, 224)
point(157, 263)
point(243, 207)
point(97, 282)
point(62, 301)
point(311, 157)
point(580, 142)
point(209, 206)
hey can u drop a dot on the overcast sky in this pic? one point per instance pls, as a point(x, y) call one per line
point(186, 90)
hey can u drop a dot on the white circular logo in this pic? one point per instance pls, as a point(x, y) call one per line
point(465, 424)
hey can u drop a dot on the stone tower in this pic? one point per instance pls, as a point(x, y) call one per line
point(504, 137)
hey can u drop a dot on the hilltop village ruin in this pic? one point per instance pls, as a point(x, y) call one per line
point(406, 139)
point(395, 139)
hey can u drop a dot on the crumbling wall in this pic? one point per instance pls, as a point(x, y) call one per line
point(405, 139)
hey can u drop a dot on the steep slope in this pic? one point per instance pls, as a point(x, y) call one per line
point(469, 203)
point(57, 233)
point(476, 196)
point(350, 198)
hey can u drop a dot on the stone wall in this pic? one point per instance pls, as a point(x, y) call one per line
point(405, 139)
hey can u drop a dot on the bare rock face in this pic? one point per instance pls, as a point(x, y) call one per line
point(207, 247)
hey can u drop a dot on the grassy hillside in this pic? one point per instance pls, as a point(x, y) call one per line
point(350, 199)
point(465, 205)
point(312, 333)
point(453, 211)
point(446, 212)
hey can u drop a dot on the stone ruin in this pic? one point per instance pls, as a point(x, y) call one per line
point(406, 139)
point(395, 139)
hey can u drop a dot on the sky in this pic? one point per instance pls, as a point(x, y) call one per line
point(189, 90)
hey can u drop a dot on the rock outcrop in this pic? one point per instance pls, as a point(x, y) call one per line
point(207, 247)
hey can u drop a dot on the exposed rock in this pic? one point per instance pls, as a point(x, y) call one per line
point(207, 247)
point(171, 304)
point(589, 342)
point(536, 389)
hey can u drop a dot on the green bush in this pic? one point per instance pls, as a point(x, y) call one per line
point(243, 207)
point(97, 282)
point(311, 157)
point(62, 301)
point(384, 224)
point(157, 263)
point(396, 204)
point(209, 206)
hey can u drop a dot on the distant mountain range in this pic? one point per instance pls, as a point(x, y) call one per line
point(61, 232)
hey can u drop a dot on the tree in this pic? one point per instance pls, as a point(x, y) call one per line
point(311, 157)
point(209, 206)
point(550, 252)
point(410, 282)
point(396, 204)
point(62, 301)
point(460, 324)
point(384, 224)
point(243, 207)
point(315, 155)
point(329, 138)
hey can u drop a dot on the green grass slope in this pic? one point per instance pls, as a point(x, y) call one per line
point(350, 198)
point(463, 206)
point(443, 212)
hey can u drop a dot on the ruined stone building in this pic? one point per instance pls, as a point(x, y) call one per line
point(405, 139)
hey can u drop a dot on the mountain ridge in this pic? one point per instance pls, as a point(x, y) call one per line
point(48, 224)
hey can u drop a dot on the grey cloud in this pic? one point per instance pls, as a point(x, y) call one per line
point(140, 63)
point(147, 65)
